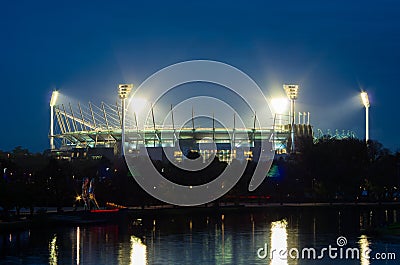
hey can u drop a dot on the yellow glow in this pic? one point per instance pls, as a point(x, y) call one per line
point(365, 99)
point(53, 251)
point(279, 243)
point(138, 104)
point(138, 252)
point(280, 105)
point(78, 248)
point(124, 90)
point(364, 246)
point(291, 91)
point(78, 197)
point(53, 99)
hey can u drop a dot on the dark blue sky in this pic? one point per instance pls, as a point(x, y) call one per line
point(85, 48)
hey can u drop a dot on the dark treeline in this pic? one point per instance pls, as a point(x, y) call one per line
point(338, 170)
point(326, 171)
point(39, 180)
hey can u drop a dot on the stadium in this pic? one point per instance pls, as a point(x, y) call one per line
point(104, 130)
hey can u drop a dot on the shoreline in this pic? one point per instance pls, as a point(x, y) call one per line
point(70, 217)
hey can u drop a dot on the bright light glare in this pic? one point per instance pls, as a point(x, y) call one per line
point(78, 241)
point(365, 99)
point(364, 249)
point(53, 99)
point(138, 252)
point(53, 255)
point(279, 242)
point(138, 104)
point(280, 105)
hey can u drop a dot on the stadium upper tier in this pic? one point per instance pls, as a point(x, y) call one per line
point(82, 126)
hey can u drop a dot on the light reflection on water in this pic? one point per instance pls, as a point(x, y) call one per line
point(78, 241)
point(53, 251)
point(220, 239)
point(364, 246)
point(138, 252)
point(279, 244)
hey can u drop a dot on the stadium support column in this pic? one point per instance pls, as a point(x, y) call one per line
point(292, 122)
point(123, 92)
point(53, 102)
point(292, 92)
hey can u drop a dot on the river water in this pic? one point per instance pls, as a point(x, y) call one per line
point(259, 236)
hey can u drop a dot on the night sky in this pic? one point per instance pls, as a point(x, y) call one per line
point(333, 49)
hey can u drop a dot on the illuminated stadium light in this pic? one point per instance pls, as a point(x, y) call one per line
point(292, 93)
point(365, 101)
point(279, 105)
point(54, 97)
point(53, 102)
point(123, 91)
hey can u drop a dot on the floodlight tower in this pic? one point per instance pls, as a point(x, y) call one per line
point(53, 102)
point(365, 101)
point(292, 92)
point(123, 92)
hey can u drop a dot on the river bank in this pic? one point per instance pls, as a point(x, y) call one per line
point(45, 217)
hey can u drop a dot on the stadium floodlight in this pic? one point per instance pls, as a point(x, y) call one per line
point(279, 105)
point(123, 91)
point(54, 97)
point(53, 102)
point(292, 92)
point(365, 101)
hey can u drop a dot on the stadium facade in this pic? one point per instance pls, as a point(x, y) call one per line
point(94, 131)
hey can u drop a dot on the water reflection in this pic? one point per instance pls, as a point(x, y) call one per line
point(364, 250)
point(78, 248)
point(53, 251)
point(138, 252)
point(232, 238)
point(223, 237)
point(279, 244)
